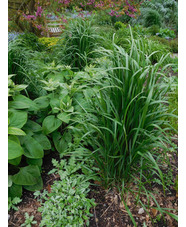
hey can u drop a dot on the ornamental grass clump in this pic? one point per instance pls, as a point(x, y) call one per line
point(80, 41)
point(125, 122)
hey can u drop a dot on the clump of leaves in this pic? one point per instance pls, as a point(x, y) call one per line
point(66, 203)
point(80, 41)
point(29, 220)
point(13, 202)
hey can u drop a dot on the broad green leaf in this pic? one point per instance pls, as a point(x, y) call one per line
point(15, 191)
point(55, 105)
point(50, 124)
point(16, 131)
point(37, 162)
point(35, 187)
point(64, 117)
point(43, 141)
point(60, 144)
point(17, 118)
point(42, 102)
point(28, 175)
point(15, 161)
point(22, 102)
point(56, 77)
point(32, 126)
point(9, 180)
point(14, 150)
point(32, 149)
point(14, 138)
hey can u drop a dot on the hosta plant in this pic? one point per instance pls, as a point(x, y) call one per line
point(26, 142)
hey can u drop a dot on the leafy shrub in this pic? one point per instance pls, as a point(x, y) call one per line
point(66, 203)
point(102, 18)
point(119, 25)
point(125, 121)
point(49, 42)
point(124, 19)
point(26, 143)
point(80, 41)
point(151, 48)
point(31, 41)
point(152, 17)
point(168, 9)
point(19, 56)
point(140, 30)
point(165, 32)
point(153, 29)
point(174, 45)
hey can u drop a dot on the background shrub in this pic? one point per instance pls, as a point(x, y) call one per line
point(80, 41)
point(152, 17)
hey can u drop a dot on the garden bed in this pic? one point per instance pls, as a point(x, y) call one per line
point(109, 210)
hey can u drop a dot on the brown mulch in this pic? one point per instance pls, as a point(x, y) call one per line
point(110, 210)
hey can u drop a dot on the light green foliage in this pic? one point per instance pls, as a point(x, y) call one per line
point(49, 42)
point(13, 202)
point(153, 49)
point(29, 220)
point(165, 32)
point(67, 203)
point(119, 25)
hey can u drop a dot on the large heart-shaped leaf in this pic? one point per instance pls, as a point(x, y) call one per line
point(60, 144)
point(28, 175)
point(32, 149)
point(15, 161)
point(37, 162)
point(15, 191)
point(42, 102)
point(37, 186)
point(14, 150)
point(43, 141)
point(50, 124)
point(32, 126)
point(17, 118)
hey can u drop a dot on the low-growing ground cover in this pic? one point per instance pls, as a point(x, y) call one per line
point(103, 103)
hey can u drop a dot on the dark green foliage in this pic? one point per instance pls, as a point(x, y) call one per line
point(128, 111)
point(23, 143)
point(153, 29)
point(80, 41)
point(32, 41)
point(152, 17)
point(174, 45)
point(124, 19)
